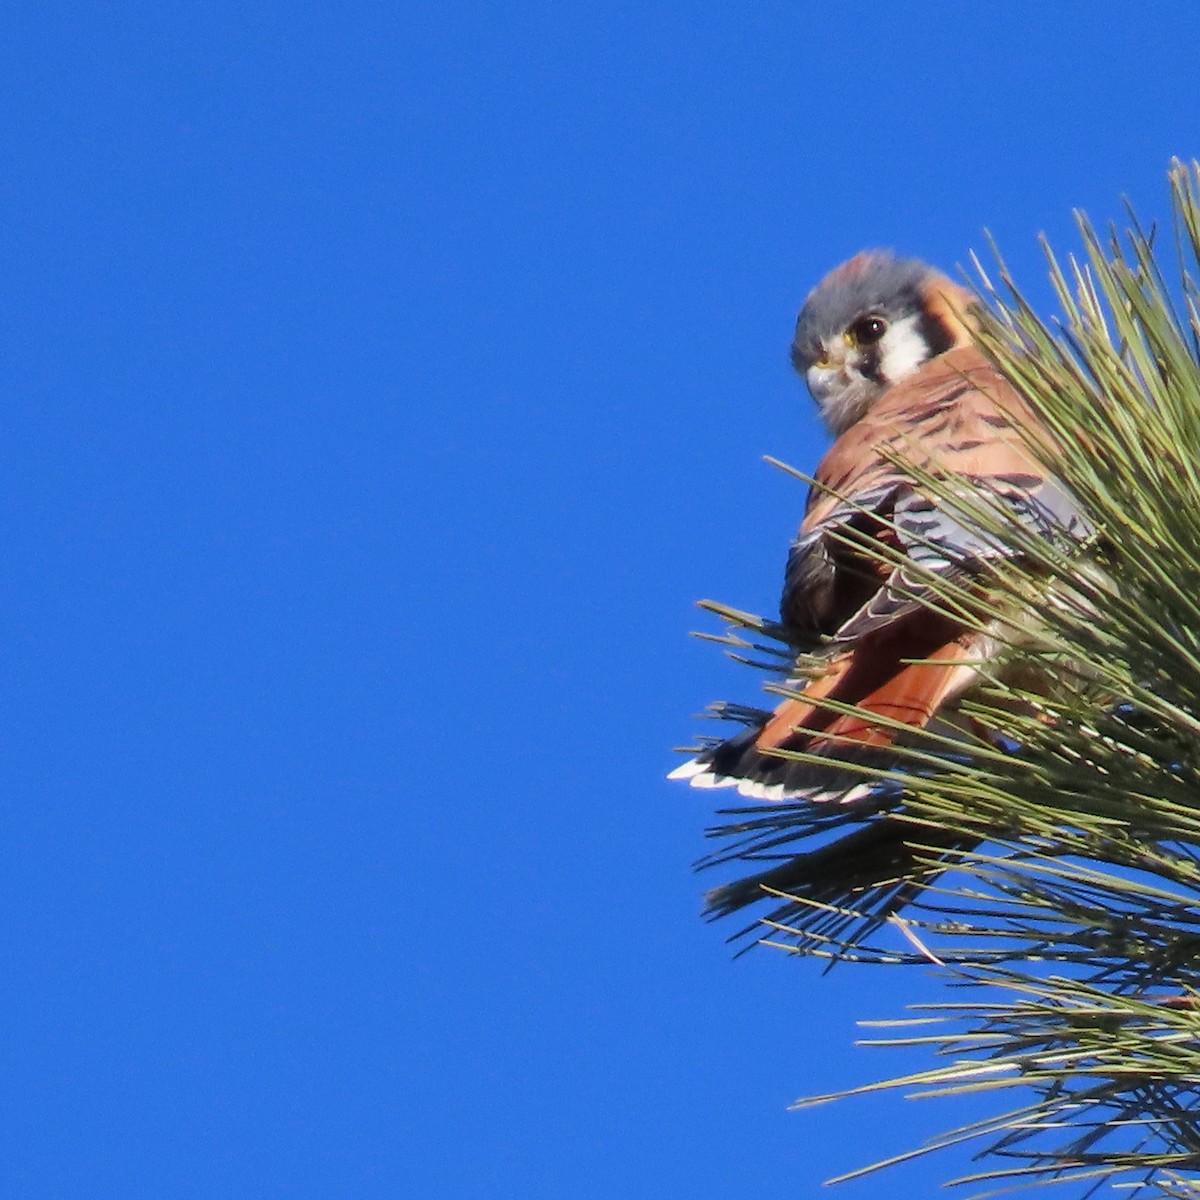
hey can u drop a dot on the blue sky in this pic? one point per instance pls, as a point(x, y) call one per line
point(382, 384)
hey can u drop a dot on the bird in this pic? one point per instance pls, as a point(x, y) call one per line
point(886, 346)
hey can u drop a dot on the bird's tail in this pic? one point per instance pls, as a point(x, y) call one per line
point(891, 695)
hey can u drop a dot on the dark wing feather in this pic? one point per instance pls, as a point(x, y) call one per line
point(957, 419)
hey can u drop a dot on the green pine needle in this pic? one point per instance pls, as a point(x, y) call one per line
point(1075, 927)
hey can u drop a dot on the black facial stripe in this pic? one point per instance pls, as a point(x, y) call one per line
point(868, 362)
point(936, 334)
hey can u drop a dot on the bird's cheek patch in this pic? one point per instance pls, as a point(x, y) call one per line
point(902, 349)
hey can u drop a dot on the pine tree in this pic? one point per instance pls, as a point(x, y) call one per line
point(1075, 924)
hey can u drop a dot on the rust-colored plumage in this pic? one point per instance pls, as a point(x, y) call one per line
point(955, 418)
point(924, 403)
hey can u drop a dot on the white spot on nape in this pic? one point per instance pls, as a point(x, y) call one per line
point(903, 349)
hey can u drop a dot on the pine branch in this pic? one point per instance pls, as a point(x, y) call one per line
point(1054, 863)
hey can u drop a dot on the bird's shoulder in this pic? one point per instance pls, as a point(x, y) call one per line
point(956, 415)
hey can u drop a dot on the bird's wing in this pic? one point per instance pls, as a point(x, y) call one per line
point(873, 535)
point(860, 577)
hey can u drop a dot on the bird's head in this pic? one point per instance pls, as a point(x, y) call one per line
point(870, 323)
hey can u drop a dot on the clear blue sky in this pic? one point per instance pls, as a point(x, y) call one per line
point(381, 384)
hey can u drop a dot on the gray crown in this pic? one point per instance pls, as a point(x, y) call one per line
point(875, 281)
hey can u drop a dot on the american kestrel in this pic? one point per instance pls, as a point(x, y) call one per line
point(885, 346)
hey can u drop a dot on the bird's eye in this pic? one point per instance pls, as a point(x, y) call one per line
point(866, 331)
